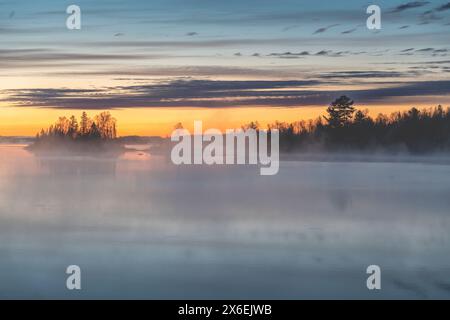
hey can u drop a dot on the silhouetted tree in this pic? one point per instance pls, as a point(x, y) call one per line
point(178, 126)
point(73, 128)
point(347, 128)
point(94, 132)
point(103, 128)
point(340, 112)
point(106, 125)
point(251, 125)
point(84, 124)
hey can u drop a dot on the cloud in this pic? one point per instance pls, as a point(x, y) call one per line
point(410, 5)
point(434, 62)
point(201, 93)
point(433, 51)
point(212, 94)
point(444, 7)
point(366, 74)
point(429, 16)
point(179, 44)
point(324, 29)
point(27, 58)
point(331, 53)
point(425, 50)
point(321, 53)
point(253, 43)
point(349, 31)
point(290, 55)
point(187, 71)
point(266, 73)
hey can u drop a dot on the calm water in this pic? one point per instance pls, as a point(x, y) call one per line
point(141, 228)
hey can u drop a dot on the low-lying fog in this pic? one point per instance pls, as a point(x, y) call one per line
point(141, 228)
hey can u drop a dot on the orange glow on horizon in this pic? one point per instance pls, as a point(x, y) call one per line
point(22, 121)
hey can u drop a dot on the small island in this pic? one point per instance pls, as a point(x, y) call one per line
point(97, 135)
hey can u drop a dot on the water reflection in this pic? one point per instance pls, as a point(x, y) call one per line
point(78, 166)
point(142, 228)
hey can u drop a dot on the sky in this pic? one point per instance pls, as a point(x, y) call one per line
point(158, 62)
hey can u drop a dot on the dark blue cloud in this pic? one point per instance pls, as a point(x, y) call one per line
point(324, 29)
point(444, 7)
point(410, 5)
point(212, 94)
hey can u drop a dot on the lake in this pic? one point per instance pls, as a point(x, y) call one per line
point(139, 227)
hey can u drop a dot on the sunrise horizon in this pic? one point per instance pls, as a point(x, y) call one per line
point(161, 121)
point(156, 64)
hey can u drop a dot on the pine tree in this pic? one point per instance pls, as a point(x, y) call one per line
point(84, 124)
point(94, 132)
point(340, 112)
point(73, 129)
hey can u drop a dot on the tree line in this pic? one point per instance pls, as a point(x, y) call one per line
point(102, 127)
point(346, 128)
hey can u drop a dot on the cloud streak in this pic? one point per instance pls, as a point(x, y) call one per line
point(213, 94)
point(324, 29)
point(410, 5)
point(444, 7)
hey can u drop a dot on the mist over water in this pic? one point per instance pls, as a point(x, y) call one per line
point(140, 227)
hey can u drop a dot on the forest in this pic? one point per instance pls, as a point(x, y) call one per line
point(344, 127)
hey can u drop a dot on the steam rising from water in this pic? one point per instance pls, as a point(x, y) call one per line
point(140, 227)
